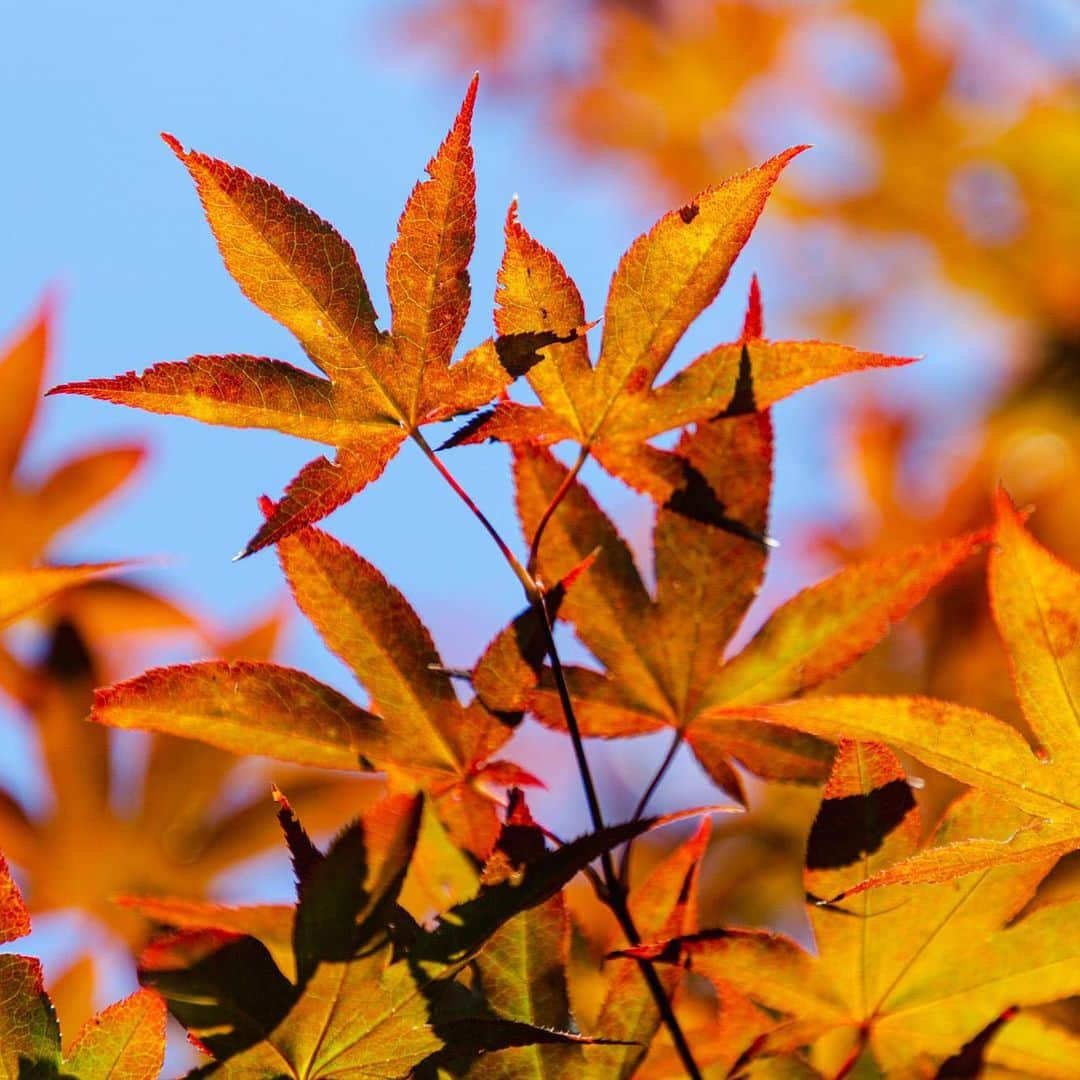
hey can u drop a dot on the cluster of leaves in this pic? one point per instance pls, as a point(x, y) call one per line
point(932, 120)
point(436, 936)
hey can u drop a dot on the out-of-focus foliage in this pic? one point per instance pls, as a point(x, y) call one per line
point(954, 122)
point(124, 1042)
point(90, 841)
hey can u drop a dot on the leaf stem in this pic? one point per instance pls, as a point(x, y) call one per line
point(649, 792)
point(523, 575)
point(614, 889)
point(556, 499)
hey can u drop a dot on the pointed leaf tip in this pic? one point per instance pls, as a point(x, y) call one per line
point(465, 113)
point(173, 143)
point(754, 323)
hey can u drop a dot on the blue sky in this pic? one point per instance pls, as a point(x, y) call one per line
point(327, 104)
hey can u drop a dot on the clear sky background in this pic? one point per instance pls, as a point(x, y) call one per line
point(325, 102)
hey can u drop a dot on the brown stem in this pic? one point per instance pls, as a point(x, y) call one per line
point(616, 893)
point(851, 1060)
point(520, 572)
point(643, 802)
point(556, 499)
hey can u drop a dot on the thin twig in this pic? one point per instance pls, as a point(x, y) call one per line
point(523, 575)
point(616, 891)
point(643, 802)
point(556, 499)
point(591, 798)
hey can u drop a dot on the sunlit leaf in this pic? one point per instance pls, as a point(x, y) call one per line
point(1036, 603)
point(899, 972)
point(664, 656)
point(380, 387)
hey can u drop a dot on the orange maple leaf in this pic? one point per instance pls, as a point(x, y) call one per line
point(381, 387)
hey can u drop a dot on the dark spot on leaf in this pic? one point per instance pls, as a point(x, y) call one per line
point(689, 212)
point(743, 400)
point(850, 827)
point(969, 1059)
point(696, 500)
point(638, 380)
point(518, 353)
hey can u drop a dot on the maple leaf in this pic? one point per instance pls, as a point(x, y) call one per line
point(416, 729)
point(21, 591)
point(81, 846)
point(1036, 604)
point(524, 878)
point(364, 1000)
point(663, 656)
point(521, 968)
point(34, 511)
point(899, 973)
point(126, 1041)
point(380, 387)
point(665, 280)
point(84, 847)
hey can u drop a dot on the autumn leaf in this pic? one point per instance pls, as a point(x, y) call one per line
point(521, 972)
point(900, 973)
point(416, 729)
point(360, 1004)
point(665, 280)
point(84, 846)
point(1029, 1044)
point(23, 590)
point(350, 1008)
point(380, 387)
point(82, 842)
point(527, 878)
point(1036, 605)
point(14, 918)
point(663, 655)
point(33, 511)
point(662, 906)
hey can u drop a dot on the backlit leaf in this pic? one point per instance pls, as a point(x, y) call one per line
point(124, 1042)
point(664, 656)
point(380, 387)
point(899, 972)
point(283, 712)
point(663, 282)
point(23, 590)
point(1036, 603)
